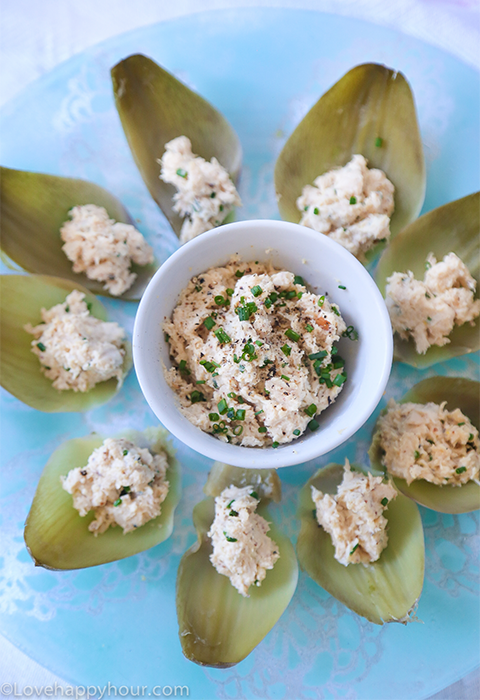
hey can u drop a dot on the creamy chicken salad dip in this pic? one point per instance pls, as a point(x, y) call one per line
point(254, 354)
point(77, 350)
point(425, 441)
point(242, 550)
point(428, 310)
point(123, 484)
point(206, 194)
point(104, 249)
point(354, 516)
point(352, 205)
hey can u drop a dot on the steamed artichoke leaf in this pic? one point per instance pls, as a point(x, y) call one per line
point(22, 297)
point(388, 589)
point(217, 625)
point(33, 207)
point(264, 481)
point(458, 393)
point(57, 537)
point(370, 102)
point(154, 108)
point(452, 228)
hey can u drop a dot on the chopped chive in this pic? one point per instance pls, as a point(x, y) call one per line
point(219, 300)
point(209, 323)
point(350, 333)
point(213, 416)
point(222, 407)
point(341, 286)
point(416, 454)
point(275, 445)
point(237, 430)
point(213, 195)
point(315, 211)
point(378, 142)
point(41, 347)
point(232, 395)
point(229, 291)
point(228, 538)
point(181, 172)
point(200, 381)
point(229, 504)
point(182, 366)
point(321, 300)
point(67, 308)
point(240, 414)
point(470, 437)
point(462, 423)
point(298, 280)
point(241, 368)
point(254, 494)
point(222, 337)
point(309, 327)
point(335, 310)
point(311, 410)
point(286, 349)
point(292, 335)
point(305, 208)
point(167, 337)
point(89, 305)
point(233, 514)
point(460, 470)
point(318, 355)
point(197, 288)
point(209, 366)
point(231, 413)
point(430, 441)
point(287, 379)
point(353, 550)
point(384, 501)
point(353, 200)
point(221, 207)
point(273, 297)
point(340, 379)
point(239, 274)
point(197, 396)
point(313, 425)
point(296, 432)
point(240, 400)
point(118, 502)
point(125, 489)
point(262, 429)
point(257, 413)
point(256, 290)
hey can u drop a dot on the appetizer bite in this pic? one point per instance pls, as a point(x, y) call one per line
point(367, 117)
point(77, 359)
point(110, 257)
point(429, 276)
point(254, 354)
point(352, 205)
point(164, 121)
point(235, 582)
point(364, 543)
point(99, 500)
point(205, 193)
point(429, 443)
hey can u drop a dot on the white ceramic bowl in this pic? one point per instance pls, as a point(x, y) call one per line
point(324, 265)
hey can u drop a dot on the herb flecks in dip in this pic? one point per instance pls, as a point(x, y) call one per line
point(352, 205)
point(254, 355)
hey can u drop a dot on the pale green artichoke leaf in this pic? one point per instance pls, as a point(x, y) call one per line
point(370, 102)
point(217, 625)
point(264, 481)
point(21, 300)
point(458, 393)
point(452, 228)
point(388, 589)
point(154, 108)
point(57, 537)
point(33, 207)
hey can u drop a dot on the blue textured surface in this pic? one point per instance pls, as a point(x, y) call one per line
point(263, 69)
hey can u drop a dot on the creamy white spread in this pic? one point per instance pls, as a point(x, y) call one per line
point(352, 205)
point(123, 484)
point(253, 352)
point(428, 310)
point(206, 194)
point(104, 249)
point(425, 441)
point(77, 350)
point(354, 516)
point(242, 550)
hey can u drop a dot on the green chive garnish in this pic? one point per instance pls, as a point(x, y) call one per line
point(353, 550)
point(229, 291)
point(416, 454)
point(237, 430)
point(240, 414)
point(213, 195)
point(350, 333)
point(117, 502)
point(309, 327)
point(256, 290)
point(315, 211)
point(298, 280)
point(296, 432)
point(222, 407)
point(275, 445)
point(462, 423)
point(311, 410)
point(341, 286)
point(460, 470)
point(219, 300)
point(313, 425)
point(213, 416)
point(182, 366)
point(287, 379)
point(378, 142)
point(222, 337)
point(353, 200)
point(262, 429)
point(321, 300)
point(181, 172)
point(470, 437)
point(125, 453)
point(318, 355)
point(254, 494)
point(384, 501)
point(233, 514)
point(286, 349)
point(239, 274)
point(335, 310)
point(228, 538)
point(340, 379)
point(209, 323)
point(229, 504)
point(292, 335)
point(41, 347)
point(197, 396)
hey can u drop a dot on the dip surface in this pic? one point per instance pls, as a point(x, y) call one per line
point(253, 353)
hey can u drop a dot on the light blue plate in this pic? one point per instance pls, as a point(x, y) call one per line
point(263, 69)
